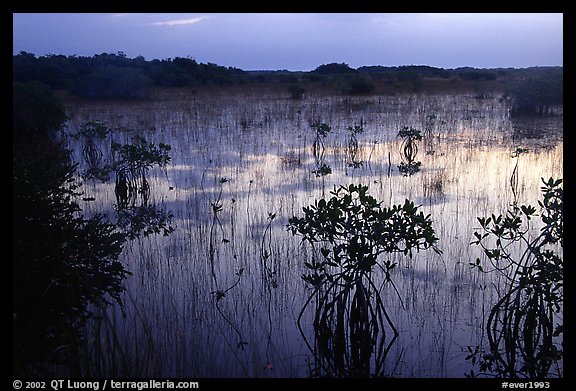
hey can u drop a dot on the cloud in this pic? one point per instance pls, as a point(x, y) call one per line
point(178, 22)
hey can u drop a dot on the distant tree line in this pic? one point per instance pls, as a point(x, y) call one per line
point(532, 91)
point(360, 81)
point(536, 93)
point(117, 76)
point(106, 75)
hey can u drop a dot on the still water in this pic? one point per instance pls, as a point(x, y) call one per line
point(251, 152)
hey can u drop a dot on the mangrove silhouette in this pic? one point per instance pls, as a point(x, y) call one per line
point(348, 233)
point(408, 151)
point(352, 146)
point(318, 149)
point(64, 264)
point(523, 326)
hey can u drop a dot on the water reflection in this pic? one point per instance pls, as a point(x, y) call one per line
point(350, 338)
point(143, 218)
point(408, 151)
point(352, 157)
point(135, 213)
point(318, 149)
point(173, 327)
point(92, 135)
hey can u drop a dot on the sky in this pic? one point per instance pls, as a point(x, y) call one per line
point(302, 41)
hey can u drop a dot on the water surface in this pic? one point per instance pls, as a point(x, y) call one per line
point(252, 153)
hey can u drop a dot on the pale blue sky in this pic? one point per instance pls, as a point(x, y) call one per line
point(302, 41)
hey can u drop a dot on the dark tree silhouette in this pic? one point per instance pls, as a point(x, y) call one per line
point(334, 68)
point(62, 261)
point(117, 76)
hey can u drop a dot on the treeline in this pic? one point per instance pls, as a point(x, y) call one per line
point(536, 89)
point(425, 71)
point(362, 80)
point(529, 91)
point(333, 71)
point(410, 72)
point(421, 72)
point(117, 76)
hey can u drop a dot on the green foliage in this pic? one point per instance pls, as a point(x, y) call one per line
point(354, 230)
point(522, 326)
point(130, 163)
point(406, 72)
point(322, 129)
point(348, 233)
point(115, 75)
point(92, 131)
point(139, 157)
point(113, 82)
point(411, 77)
point(109, 75)
point(477, 75)
point(410, 133)
point(53, 70)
